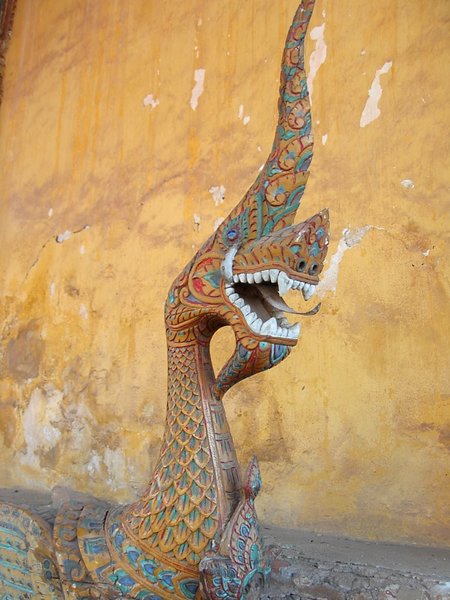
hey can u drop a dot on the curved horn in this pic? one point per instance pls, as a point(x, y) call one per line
point(272, 201)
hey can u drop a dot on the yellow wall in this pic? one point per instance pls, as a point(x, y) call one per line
point(353, 430)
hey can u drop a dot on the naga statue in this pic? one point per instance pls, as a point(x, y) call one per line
point(193, 534)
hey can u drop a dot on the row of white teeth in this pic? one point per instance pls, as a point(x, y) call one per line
point(269, 327)
point(285, 283)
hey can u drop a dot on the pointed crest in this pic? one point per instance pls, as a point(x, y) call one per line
point(272, 201)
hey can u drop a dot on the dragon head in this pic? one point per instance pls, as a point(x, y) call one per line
point(257, 254)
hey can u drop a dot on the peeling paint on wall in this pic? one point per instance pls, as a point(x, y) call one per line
point(350, 238)
point(151, 101)
point(83, 311)
point(62, 237)
point(408, 184)
point(218, 193)
point(93, 466)
point(197, 90)
point(371, 110)
point(218, 222)
point(318, 56)
point(39, 423)
point(244, 118)
point(116, 464)
point(197, 221)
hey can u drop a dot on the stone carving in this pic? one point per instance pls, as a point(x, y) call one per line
point(194, 531)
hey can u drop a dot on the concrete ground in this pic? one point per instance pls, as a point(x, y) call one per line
point(311, 566)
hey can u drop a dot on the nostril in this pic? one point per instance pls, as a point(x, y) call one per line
point(301, 265)
point(313, 268)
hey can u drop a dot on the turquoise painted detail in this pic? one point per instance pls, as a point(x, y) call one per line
point(277, 353)
point(314, 249)
point(165, 577)
point(11, 529)
point(12, 548)
point(16, 586)
point(189, 588)
point(147, 596)
point(10, 565)
point(214, 278)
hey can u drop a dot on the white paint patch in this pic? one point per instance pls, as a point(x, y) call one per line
point(407, 183)
point(93, 466)
point(371, 110)
point(79, 420)
point(218, 193)
point(82, 249)
point(259, 148)
point(151, 101)
point(350, 238)
point(324, 139)
point(116, 465)
point(318, 56)
point(218, 222)
point(40, 420)
point(197, 90)
point(83, 311)
point(245, 119)
point(62, 237)
point(197, 221)
point(426, 252)
point(199, 22)
point(50, 212)
point(52, 289)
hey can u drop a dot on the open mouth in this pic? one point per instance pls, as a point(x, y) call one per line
point(258, 298)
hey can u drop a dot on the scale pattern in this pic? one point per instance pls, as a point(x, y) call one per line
point(27, 562)
point(178, 515)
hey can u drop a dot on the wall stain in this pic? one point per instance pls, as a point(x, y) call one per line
point(24, 353)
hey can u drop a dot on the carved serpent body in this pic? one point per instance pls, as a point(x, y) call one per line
point(194, 531)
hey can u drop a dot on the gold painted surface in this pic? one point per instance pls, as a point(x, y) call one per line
point(353, 430)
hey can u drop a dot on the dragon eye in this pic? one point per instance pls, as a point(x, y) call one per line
point(232, 234)
point(313, 268)
point(301, 265)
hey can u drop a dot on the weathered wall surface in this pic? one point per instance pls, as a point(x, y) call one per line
point(117, 121)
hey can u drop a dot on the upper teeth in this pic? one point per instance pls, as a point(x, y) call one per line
point(285, 283)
